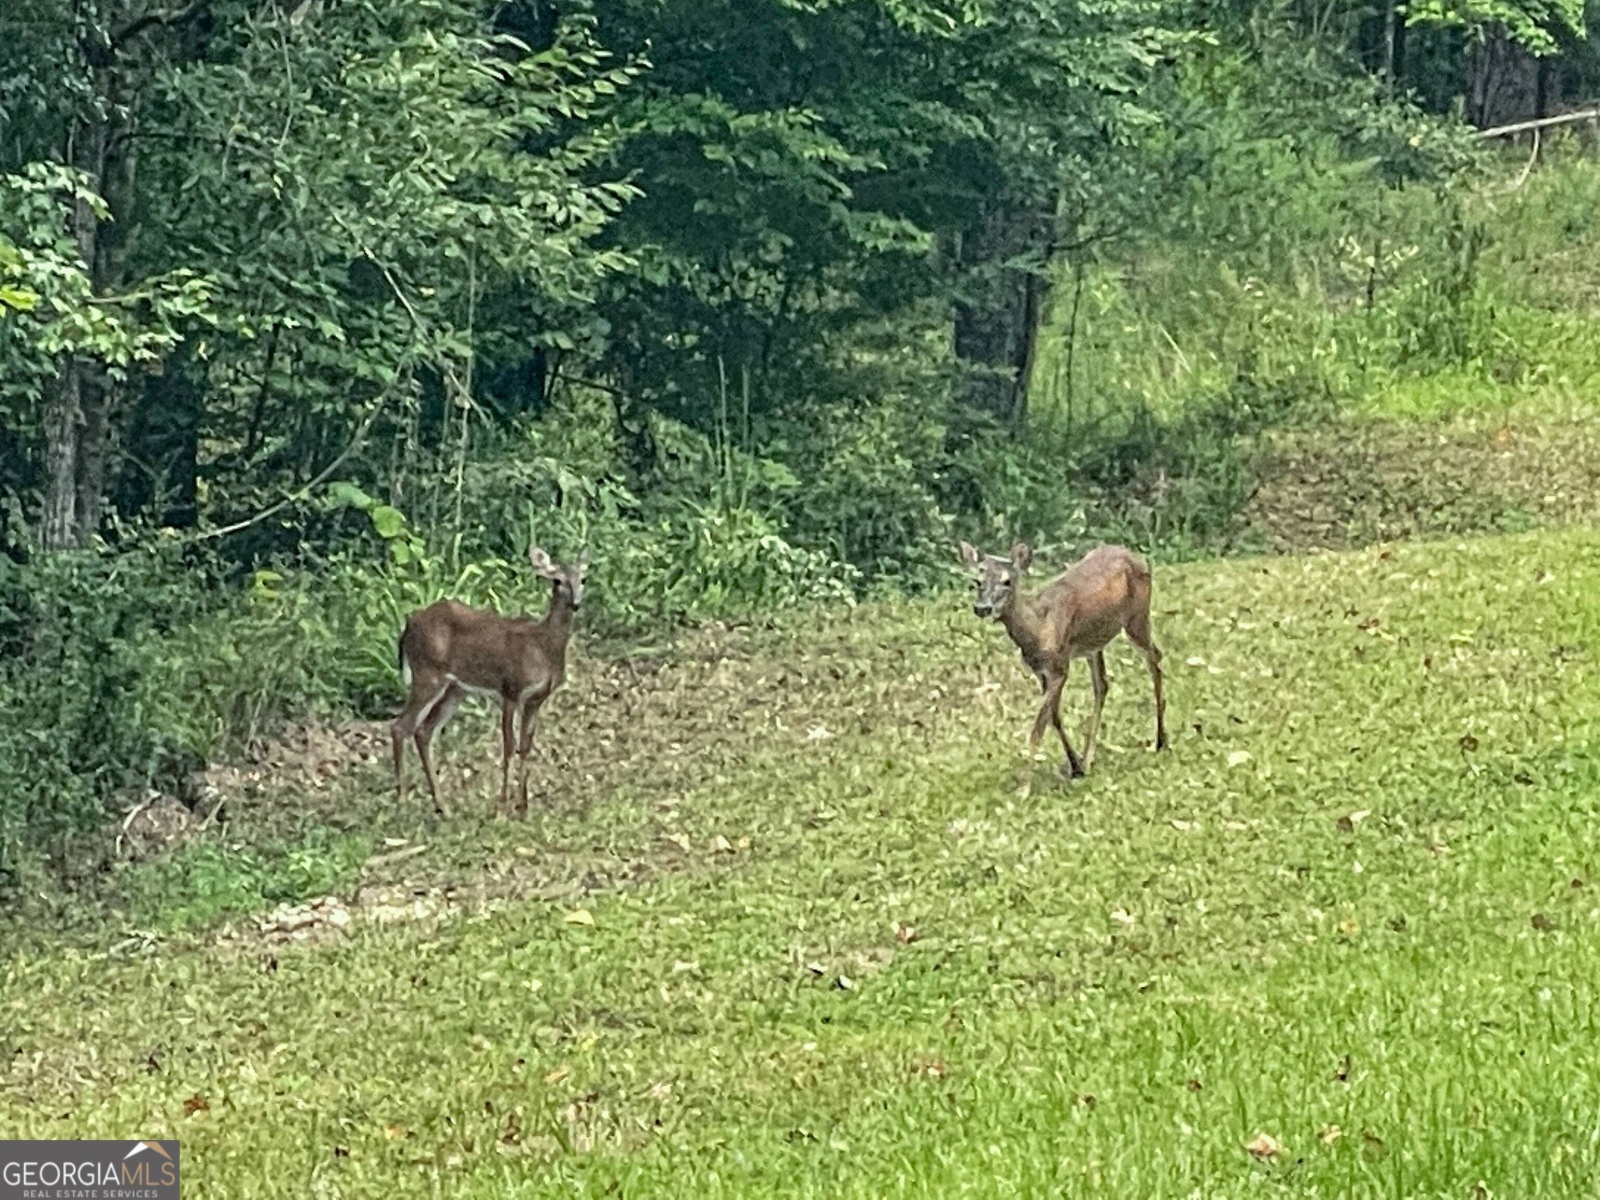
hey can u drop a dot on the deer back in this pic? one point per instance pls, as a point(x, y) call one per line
point(1089, 603)
point(483, 650)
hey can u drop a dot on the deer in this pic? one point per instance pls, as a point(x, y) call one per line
point(450, 649)
point(1075, 615)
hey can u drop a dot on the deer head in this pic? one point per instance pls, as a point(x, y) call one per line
point(999, 579)
point(568, 579)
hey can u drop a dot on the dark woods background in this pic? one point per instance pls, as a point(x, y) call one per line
point(313, 310)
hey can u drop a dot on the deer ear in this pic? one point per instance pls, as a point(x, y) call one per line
point(542, 566)
point(583, 561)
point(969, 554)
point(1021, 555)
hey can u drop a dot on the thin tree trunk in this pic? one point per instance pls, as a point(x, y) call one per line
point(995, 320)
point(58, 523)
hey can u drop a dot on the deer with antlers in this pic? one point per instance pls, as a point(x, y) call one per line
point(448, 650)
point(1076, 615)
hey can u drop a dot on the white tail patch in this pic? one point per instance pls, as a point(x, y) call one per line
point(405, 668)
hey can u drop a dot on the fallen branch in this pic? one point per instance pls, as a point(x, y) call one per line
point(1591, 113)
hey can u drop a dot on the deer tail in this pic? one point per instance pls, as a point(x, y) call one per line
point(400, 655)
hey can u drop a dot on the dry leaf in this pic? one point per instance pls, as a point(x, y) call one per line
point(721, 845)
point(846, 983)
point(558, 1075)
point(1345, 1067)
point(1264, 1146)
point(1184, 826)
point(1123, 917)
point(1194, 1085)
point(1329, 1134)
point(1237, 758)
point(905, 934)
point(1543, 923)
point(579, 916)
point(196, 1104)
point(680, 840)
point(396, 1132)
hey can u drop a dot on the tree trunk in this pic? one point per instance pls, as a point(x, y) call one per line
point(997, 314)
point(58, 523)
point(76, 415)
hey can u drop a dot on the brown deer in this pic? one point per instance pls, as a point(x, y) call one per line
point(449, 649)
point(1076, 615)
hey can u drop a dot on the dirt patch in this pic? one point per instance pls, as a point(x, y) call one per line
point(1361, 483)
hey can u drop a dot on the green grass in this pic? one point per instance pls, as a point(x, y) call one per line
point(1113, 987)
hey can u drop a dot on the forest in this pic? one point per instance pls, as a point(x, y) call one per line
point(317, 311)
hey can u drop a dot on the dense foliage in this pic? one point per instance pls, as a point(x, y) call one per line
point(311, 310)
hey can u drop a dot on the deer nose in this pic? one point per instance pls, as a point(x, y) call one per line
point(982, 610)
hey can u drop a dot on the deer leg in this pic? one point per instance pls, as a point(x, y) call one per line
point(1046, 682)
point(1139, 635)
point(530, 724)
point(1052, 712)
point(424, 695)
point(1097, 676)
point(433, 720)
point(508, 715)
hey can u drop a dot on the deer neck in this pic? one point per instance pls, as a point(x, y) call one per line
point(1024, 627)
point(559, 619)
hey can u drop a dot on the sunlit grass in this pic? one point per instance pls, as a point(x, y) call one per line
point(1352, 909)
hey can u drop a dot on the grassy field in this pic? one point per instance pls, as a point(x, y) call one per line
point(819, 928)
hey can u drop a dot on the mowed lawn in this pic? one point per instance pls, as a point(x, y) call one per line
point(1356, 909)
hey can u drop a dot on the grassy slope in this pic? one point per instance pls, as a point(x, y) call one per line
point(1115, 984)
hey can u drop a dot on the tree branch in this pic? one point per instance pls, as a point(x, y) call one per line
point(134, 28)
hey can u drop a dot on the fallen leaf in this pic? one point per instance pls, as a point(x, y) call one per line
point(1349, 927)
point(1184, 826)
point(1329, 1134)
point(341, 1151)
point(1123, 917)
point(579, 916)
point(196, 1104)
point(661, 1091)
point(1194, 1085)
point(1468, 743)
point(721, 845)
point(1345, 1067)
point(905, 934)
point(396, 1132)
point(1237, 758)
point(680, 840)
point(1542, 923)
point(846, 983)
point(558, 1074)
point(1264, 1146)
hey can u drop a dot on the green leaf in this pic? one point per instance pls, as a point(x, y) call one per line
point(389, 522)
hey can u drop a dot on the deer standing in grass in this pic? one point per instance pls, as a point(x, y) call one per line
point(1076, 615)
point(449, 649)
